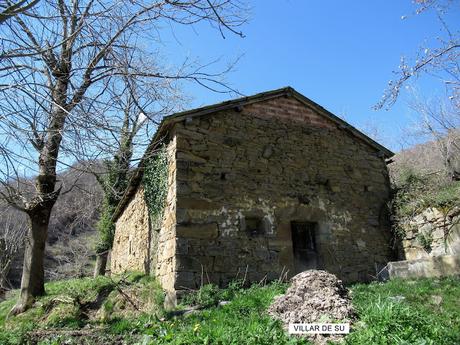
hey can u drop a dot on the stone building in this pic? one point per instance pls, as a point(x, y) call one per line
point(259, 187)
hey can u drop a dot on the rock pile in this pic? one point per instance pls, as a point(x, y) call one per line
point(314, 297)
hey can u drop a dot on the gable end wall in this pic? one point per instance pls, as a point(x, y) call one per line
point(280, 162)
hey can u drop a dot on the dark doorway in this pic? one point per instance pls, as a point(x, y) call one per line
point(304, 245)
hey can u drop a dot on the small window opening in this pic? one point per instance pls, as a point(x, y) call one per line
point(254, 226)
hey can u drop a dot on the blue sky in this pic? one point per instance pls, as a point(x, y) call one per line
point(340, 54)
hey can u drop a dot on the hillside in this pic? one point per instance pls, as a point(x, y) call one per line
point(71, 234)
point(425, 159)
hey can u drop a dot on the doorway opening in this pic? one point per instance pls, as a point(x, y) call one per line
point(304, 245)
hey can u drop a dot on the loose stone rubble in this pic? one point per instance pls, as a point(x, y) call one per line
point(314, 297)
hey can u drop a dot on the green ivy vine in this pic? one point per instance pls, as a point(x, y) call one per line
point(426, 241)
point(105, 227)
point(155, 181)
point(113, 184)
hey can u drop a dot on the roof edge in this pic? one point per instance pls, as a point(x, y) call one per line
point(285, 91)
point(342, 123)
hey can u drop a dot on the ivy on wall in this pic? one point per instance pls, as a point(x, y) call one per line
point(105, 227)
point(113, 184)
point(155, 181)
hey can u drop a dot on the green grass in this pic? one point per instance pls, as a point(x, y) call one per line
point(51, 310)
point(428, 314)
point(62, 305)
point(242, 321)
point(425, 311)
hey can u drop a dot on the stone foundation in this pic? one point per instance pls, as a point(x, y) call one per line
point(430, 246)
point(428, 267)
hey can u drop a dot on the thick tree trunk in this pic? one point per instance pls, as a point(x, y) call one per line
point(101, 264)
point(40, 207)
point(454, 175)
point(33, 274)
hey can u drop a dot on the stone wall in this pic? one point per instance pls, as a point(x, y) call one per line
point(130, 251)
point(147, 245)
point(163, 245)
point(431, 233)
point(275, 162)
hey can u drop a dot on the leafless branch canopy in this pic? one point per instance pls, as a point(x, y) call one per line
point(10, 9)
point(442, 62)
point(439, 121)
point(68, 70)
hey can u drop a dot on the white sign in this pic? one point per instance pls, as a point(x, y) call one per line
point(319, 328)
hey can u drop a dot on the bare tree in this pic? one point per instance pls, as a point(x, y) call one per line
point(71, 227)
point(439, 120)
point(436, 120)
point(71, 256)
point(441, 62)
point(12, 232)
point(58, 60)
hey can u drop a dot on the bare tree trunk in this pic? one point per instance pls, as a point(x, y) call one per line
point(4, 270)
point(101, 264)
point(39, 212)
point(33, 274)
point(12, 234)
point(451, 164)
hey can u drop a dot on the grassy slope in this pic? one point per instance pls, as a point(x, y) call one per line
point(428, 314)
point(424, 312)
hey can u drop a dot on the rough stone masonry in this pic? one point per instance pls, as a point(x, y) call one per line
point(259, 187)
